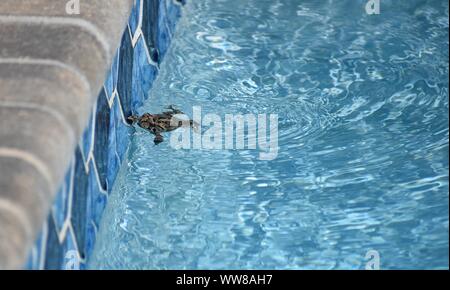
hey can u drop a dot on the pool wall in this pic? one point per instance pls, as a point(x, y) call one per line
point(68, 237)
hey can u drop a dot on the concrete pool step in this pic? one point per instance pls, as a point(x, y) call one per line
point(52, 66)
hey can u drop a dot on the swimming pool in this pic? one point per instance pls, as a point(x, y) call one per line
point(362, 162)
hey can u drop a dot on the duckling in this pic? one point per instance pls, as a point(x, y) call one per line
point(158, 123)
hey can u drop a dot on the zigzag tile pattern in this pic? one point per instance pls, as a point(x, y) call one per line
point(53, 62)
point(68, 237)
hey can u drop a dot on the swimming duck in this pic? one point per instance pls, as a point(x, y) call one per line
point(158, 123)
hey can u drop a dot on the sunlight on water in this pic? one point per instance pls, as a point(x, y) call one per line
point(363, 135)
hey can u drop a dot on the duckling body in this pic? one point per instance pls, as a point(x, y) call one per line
point(159, 123)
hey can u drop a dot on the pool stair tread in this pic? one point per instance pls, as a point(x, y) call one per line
point(52, 67)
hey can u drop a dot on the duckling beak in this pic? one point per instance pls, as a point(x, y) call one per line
point(132, 118)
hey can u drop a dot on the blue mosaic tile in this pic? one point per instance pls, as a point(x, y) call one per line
point(71, 259)
point(101, 137)
point(96, 198)
point(150, 27)
point(109, 87)
point(121, 132)
point(113, 162)
point(83, 266)
point(60, 208)
point(111, 78)
point(134, 17)
point(143, 75)
point(115, 69)
point(91, 238)
point(87, 138)
point(173, 13)
point(54, 252)
point(163, 31)
point(125, 74)
point(79, 202)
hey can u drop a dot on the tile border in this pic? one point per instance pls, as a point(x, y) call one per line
point(50, 253)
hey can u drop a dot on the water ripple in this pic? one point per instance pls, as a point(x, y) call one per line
point(363, 135)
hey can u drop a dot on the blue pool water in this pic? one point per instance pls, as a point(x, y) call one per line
point(363, 140)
